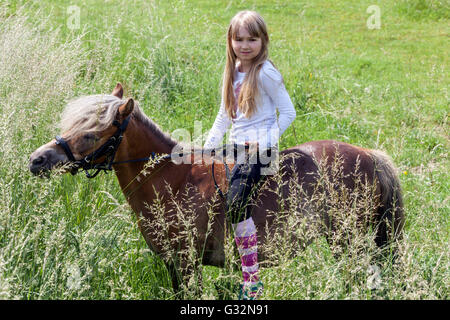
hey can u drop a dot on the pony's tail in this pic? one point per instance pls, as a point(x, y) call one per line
point(390, 214)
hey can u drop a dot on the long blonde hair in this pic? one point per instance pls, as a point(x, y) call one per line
point(256, 27)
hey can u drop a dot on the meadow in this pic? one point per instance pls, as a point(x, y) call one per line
point(385, 88)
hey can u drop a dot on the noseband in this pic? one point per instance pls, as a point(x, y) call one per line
point(107, 150)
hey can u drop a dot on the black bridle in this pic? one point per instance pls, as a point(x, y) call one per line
point(107, 150)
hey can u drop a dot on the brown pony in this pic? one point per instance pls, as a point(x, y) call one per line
point(89, 122)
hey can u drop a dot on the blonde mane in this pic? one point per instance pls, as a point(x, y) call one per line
point(97, 113)
point(89, 113)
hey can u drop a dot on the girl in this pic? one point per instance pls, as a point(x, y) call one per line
point(252, 91)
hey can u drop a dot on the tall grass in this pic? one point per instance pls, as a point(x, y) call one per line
point(57, 234)
point(69, 238)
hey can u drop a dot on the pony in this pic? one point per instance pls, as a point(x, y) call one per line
point(108, 132)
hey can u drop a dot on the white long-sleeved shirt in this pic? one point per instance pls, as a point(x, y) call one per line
point(263, 126)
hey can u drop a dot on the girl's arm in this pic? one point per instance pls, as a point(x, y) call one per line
point(273, 85)
point(220, 126)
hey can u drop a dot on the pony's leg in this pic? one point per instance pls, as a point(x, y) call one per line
point(181, 274)
point(192, 280)
point(175, 276)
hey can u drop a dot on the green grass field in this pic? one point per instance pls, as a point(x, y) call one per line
point(72, 238)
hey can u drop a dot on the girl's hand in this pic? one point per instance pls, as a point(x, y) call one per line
point(252, 146)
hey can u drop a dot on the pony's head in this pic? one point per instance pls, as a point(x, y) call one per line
point(87, 123)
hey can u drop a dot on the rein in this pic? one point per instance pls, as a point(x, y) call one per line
point(109, 149)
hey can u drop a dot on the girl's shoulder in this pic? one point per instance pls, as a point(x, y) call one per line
point(269, 73)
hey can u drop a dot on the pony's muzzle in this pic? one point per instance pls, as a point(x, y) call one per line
point(39, 165)
point(43, 160)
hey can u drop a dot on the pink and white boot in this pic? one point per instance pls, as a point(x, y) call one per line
point(246, 241)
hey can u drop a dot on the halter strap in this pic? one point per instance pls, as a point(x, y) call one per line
point(61, 142)
point(108, 149)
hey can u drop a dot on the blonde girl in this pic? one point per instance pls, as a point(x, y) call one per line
point(252, 92)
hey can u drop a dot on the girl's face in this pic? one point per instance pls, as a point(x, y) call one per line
point(245, 46)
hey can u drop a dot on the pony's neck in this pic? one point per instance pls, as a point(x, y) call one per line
point(146, 137)
point(141, 183)
point(141, 138)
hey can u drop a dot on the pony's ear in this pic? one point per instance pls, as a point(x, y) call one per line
point(126, 109)
point(118, 91)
